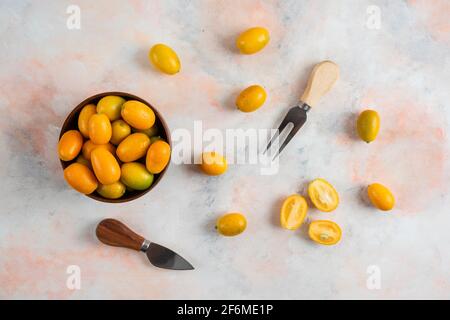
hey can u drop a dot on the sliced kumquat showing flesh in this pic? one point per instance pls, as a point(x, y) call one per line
point(325, 232)
point(323, 195)
point(293, 212)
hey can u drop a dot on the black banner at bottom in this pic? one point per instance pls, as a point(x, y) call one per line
point(225, 309)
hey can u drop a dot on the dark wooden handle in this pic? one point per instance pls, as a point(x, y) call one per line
point(114, 233)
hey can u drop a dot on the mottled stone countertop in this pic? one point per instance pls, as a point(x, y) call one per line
point(397, 64)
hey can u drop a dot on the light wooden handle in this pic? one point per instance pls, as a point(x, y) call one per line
point(114, 233)
point(321, 80)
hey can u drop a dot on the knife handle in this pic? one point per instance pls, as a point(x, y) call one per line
point(321, 80)
point(114, 233)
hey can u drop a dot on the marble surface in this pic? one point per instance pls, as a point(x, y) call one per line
point(401, 69)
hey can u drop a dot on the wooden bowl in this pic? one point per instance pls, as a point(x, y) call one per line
point(71, 123)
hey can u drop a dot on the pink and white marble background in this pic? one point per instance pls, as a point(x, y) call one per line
point(402, 70)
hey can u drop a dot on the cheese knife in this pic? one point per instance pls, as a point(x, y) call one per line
point(115, 233)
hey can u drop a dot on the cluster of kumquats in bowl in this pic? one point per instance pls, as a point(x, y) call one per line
point(114, 147)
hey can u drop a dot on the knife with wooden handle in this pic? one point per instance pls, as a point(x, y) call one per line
point(114, 233)
point(322, 78)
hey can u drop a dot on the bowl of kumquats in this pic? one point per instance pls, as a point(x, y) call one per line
point(114, 147)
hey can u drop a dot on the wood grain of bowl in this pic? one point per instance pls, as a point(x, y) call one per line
point(71, 123)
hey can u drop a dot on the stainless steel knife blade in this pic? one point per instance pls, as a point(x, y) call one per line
point(165, 258)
